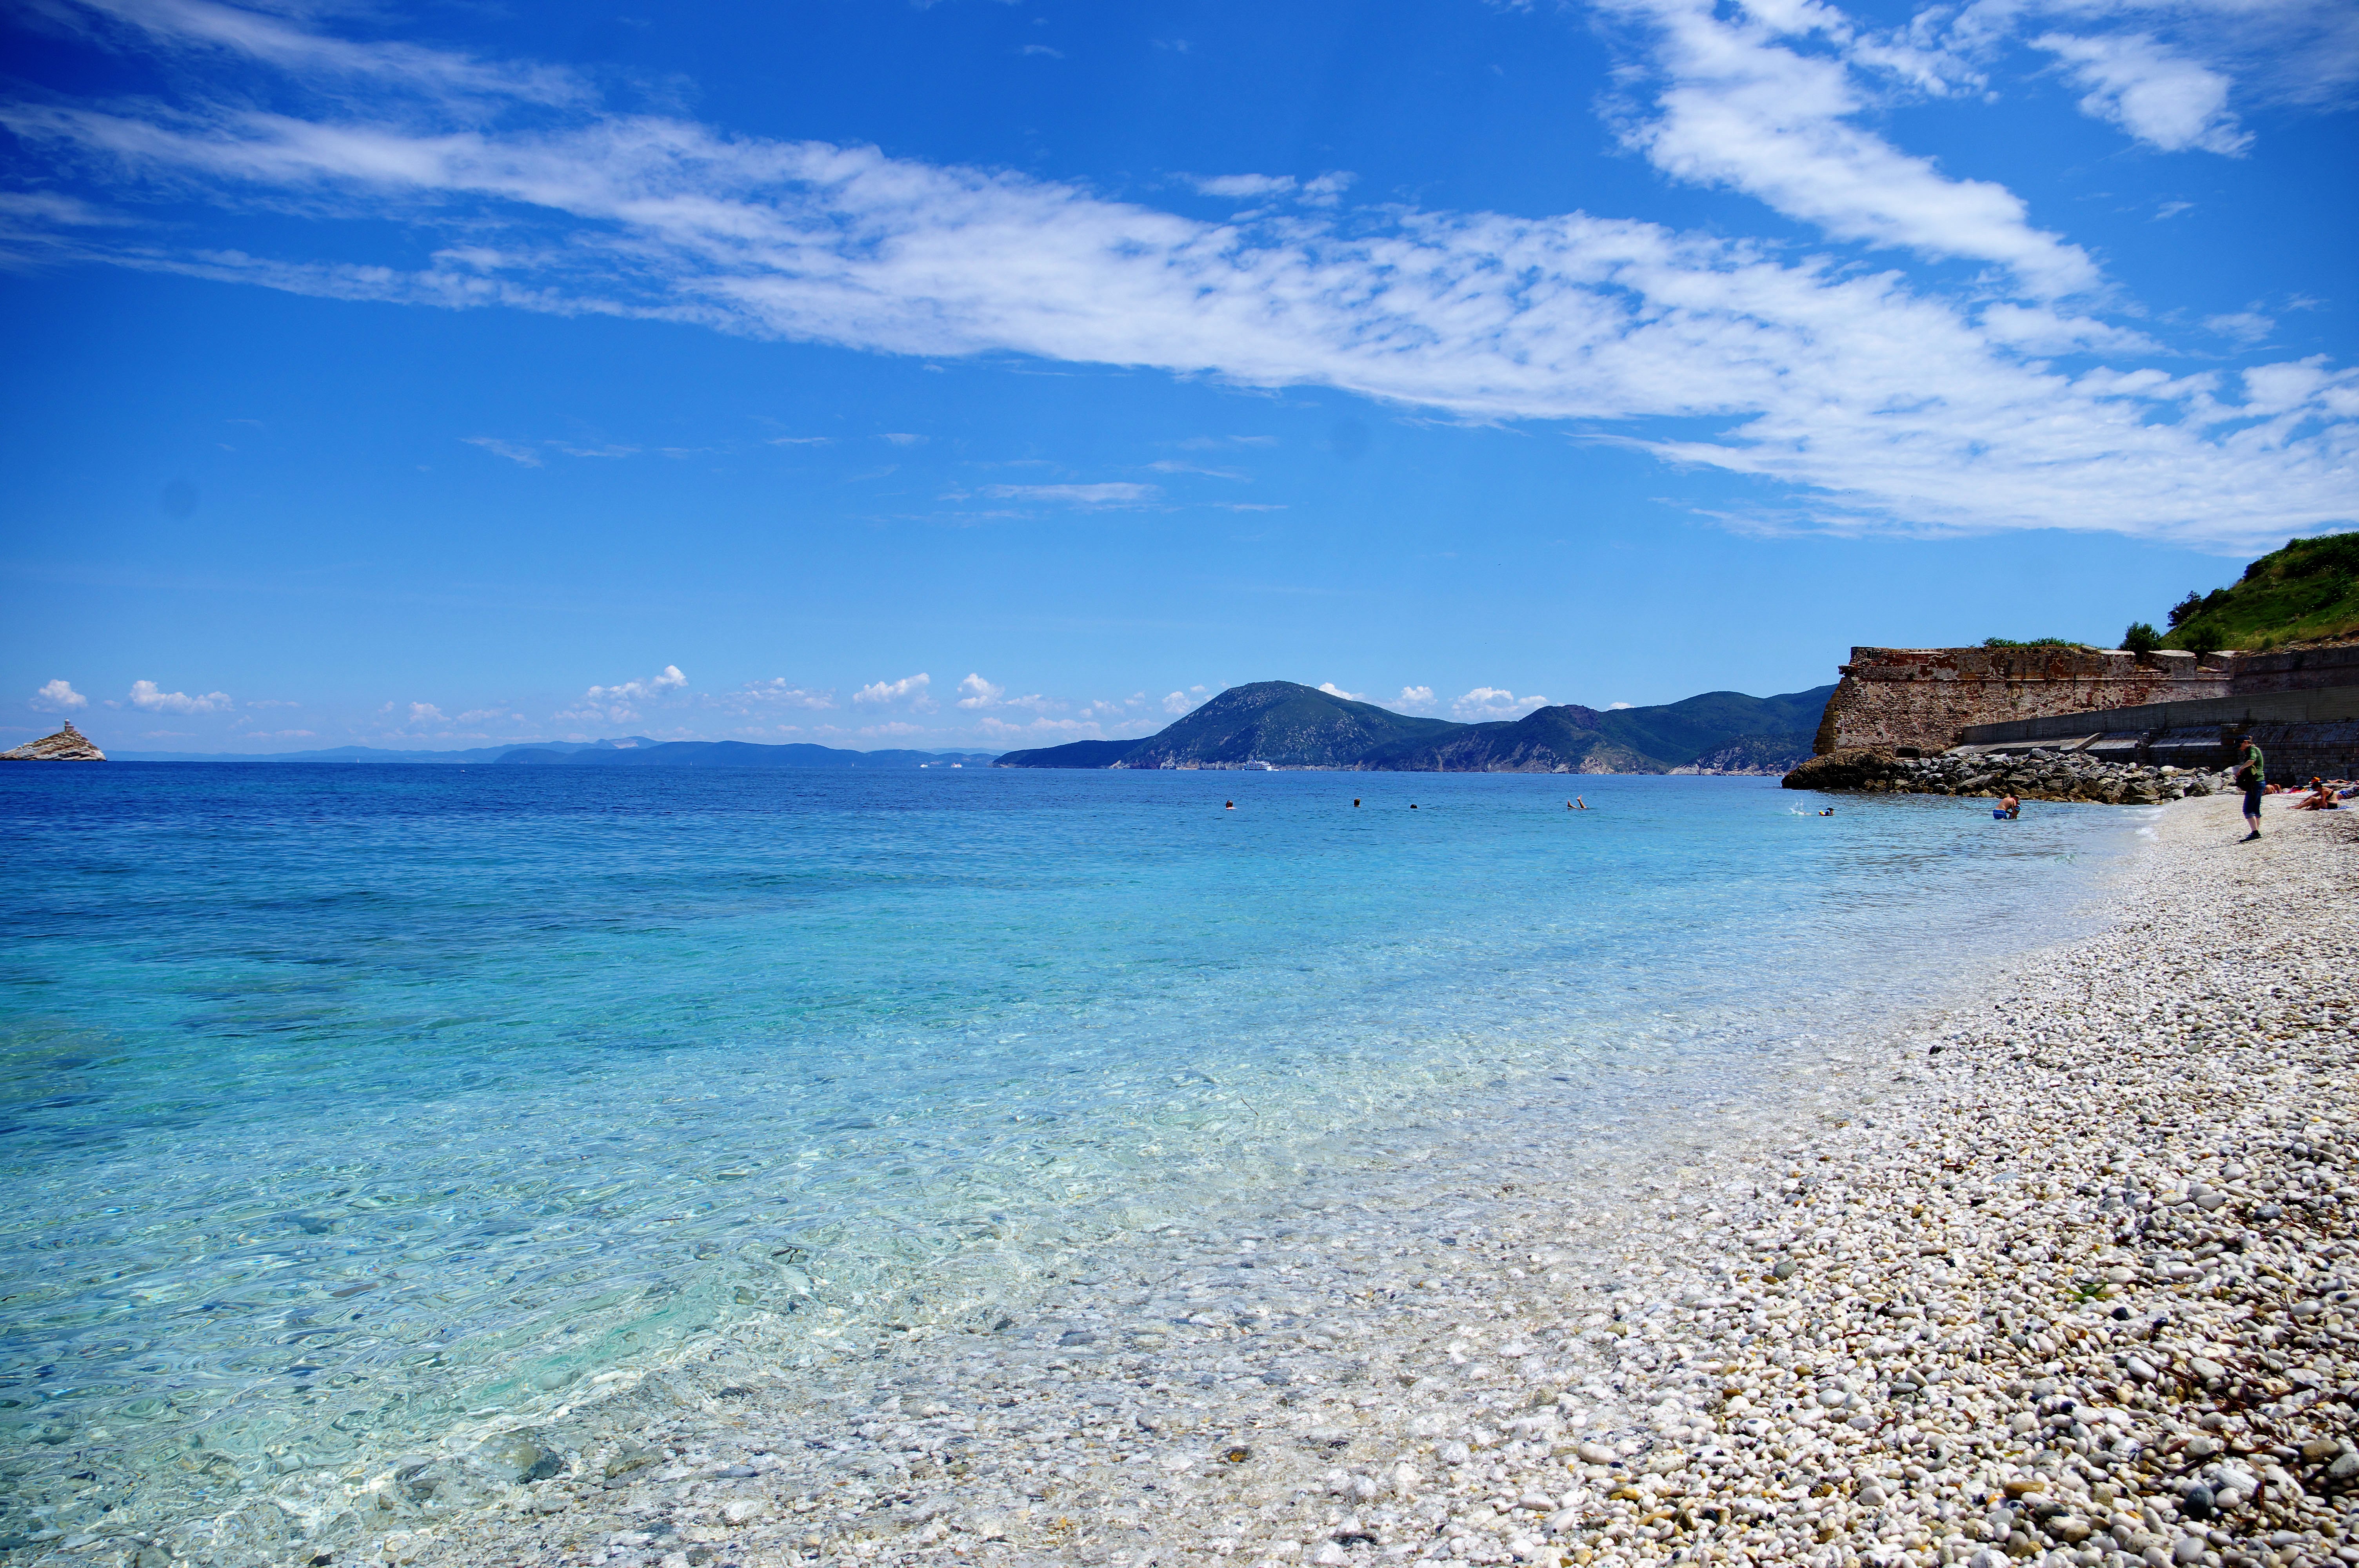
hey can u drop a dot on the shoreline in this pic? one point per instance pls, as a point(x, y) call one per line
point(1522, 1368)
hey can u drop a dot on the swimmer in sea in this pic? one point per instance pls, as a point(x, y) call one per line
point(1576, 803)
point(1829, 811)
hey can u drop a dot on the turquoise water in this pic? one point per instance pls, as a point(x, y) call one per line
point(342, 1106)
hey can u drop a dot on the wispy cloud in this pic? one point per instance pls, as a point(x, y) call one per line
point(775, 693)
point(2245, 327)
point(1087, 495)
point(1878, 402)
point(1738, 105)
point(2160, 97)
point(513, 452)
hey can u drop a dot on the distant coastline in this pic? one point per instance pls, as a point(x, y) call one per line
point(1262, 725)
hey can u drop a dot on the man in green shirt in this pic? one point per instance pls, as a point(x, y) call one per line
point(2253, 774)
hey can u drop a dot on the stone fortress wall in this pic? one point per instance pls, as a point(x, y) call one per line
point(1930, 699)
point(1926, 696)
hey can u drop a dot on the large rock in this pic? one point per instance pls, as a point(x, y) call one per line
point(68, 745)
point(1855, 767)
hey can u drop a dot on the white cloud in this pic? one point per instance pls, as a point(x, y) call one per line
point(58, 697)
point(426, 713)
point(203, 28)
point(2039, 330)
point(637, 690)
point(2161, 98)
point(1084, 495)
point(1739, 108)
point(801, 441)
point(901, 438)
point(1879, 403)
point(911, 690)
point(1331, 689)
point(2247, 327)
point(976, 692)
point(508, 450)
point(775, 693)
point(146, 696)
point(1617, 707)
point(1490, 702)
point(1249, 187)
point(1415, 699)
point(1042, 51)
point(1185, 701)
point(1169, 465)
point(620, 704)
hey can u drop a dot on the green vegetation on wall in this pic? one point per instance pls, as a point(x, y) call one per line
point(2307, 593)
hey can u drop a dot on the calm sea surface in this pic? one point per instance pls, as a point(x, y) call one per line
point(339, 1106)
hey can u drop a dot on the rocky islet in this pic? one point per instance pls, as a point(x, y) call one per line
point(68, 745)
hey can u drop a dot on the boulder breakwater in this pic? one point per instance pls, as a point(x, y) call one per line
point(2025, 774)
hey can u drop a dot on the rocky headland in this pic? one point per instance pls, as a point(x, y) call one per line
point(2026, 775)
point(68, 745)
point(2061, 1276)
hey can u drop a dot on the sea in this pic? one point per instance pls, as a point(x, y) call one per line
point(345, 1108)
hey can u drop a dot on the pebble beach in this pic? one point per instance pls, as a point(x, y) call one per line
point(2061, 1275)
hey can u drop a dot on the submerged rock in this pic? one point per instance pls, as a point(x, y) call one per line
point(68, 745)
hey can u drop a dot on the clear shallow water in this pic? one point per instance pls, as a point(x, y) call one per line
point(342, 1106)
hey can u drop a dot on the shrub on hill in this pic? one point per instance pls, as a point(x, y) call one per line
point(2307, 593)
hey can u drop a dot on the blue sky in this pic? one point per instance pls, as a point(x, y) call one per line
point(993, 374)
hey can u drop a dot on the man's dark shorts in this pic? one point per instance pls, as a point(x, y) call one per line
point(2253, 801)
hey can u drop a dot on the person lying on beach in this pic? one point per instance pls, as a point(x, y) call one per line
point(2320, 798)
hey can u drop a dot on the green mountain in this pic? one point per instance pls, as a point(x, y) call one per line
point(1279, 723)
point(1575, 739)
point(1564, 740)
point(2307, 593)
point(1073, 754)
point(1285, 725)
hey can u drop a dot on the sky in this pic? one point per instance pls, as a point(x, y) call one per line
point(988, 374)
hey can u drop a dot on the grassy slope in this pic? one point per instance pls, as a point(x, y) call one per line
point(2307, 593)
